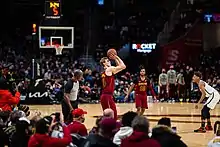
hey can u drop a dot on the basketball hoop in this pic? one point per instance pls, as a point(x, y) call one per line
point(59, 49)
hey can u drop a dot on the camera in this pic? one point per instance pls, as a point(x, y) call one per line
point(57, 116)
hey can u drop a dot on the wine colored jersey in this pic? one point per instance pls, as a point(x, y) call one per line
point(108, 83)
point(141, 86)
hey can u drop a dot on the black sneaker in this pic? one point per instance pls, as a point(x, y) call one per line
point(200, 130)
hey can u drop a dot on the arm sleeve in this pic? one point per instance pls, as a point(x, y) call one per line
point(68, 87)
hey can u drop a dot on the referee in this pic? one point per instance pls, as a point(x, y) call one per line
point(71, 89)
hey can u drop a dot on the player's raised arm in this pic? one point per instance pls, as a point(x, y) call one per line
point(119, 65)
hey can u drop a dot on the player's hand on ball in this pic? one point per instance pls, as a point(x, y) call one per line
point(112, 56)
point(111, 53)
point(196, 106)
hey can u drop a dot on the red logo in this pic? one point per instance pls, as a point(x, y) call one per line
point(138, 46)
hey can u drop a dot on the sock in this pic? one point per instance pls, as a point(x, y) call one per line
point(203, 124)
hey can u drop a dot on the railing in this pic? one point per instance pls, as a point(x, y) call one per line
point(164, 35)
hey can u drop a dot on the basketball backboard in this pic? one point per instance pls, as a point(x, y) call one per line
point(49, 36)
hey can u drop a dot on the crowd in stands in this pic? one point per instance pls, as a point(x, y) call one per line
point(21, 128)
point(55, 72)
point(17, 129)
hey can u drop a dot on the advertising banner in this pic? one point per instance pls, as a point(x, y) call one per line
point(37, 94)
point(144, 47)
point(186, 49)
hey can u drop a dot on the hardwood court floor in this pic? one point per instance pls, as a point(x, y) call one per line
point(184, 116)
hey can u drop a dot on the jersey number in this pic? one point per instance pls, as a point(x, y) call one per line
point(142, 88)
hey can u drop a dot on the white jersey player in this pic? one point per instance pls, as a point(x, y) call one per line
point(213, 99)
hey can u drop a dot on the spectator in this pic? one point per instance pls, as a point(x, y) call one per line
point(4, 116)
point(41, 137)
point(126, 130)
point(108, 113)
point(188, 81)
point(165, 135)
point(139, 137)
point(215, 141)
point(7, 99)
point(10, 125)
point(165, 121)
point(104, 136)
point(21, 137)
point(77, 125)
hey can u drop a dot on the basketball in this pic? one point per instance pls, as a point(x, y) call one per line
point(111, 52)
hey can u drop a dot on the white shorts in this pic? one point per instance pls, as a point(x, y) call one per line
point(213, 100)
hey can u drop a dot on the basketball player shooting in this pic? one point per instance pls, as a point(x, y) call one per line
point(108, 80)
point(141, 85)
point(213, 99)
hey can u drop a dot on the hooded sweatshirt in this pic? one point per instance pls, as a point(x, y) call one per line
point(215, 142)
point(8, 100)
point(166, 137)
point(95, 140)
point(123, 133)
point(44, 140)
point(139, 139)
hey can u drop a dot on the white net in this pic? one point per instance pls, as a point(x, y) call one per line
point(59, 49)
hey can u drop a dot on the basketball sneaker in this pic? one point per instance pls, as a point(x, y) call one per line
point(200, 130)
point(208, 128)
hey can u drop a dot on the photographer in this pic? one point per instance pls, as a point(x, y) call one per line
point(7, 101)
